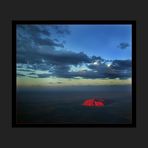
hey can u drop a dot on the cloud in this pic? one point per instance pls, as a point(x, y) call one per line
point(67, 57)
point(123, 45)
point(32, 73)
point(35, 77)
point(45, 75)
point(24, 70)
point(52, 57)
point(33, 30)
point(20, 75)
point(35, 44)
point(121, 64)
point(118, 69)
point(61, 29)
point(48, 42)
point(38, 50)
point(29, 37)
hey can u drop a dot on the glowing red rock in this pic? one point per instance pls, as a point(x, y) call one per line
point(94, 102)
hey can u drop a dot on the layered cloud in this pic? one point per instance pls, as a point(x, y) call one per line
point(42, 55)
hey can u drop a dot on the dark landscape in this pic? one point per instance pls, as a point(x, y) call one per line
point(64, 105)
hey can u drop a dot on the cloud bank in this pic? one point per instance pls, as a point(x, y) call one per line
point(42, 55)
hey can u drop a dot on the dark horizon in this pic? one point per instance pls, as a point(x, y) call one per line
point(64, 106)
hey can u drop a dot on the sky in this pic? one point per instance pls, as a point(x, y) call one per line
point(72, 55)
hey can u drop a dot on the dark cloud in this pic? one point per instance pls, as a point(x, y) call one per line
point(20, 75)
point(67, 57)
point(37, 50)
point(25, 70)
point(30, 36)
point(41, 66)
point(31, 76)
point(99, 59)
point(52, 57)
point(32, 73)
point(33, 48)
point(100, 67)
point(33, 30)
point(61, 29)
point(121, 64)
point(123, 45)
point(45, 75)
point(48, 42)
point(118, 69)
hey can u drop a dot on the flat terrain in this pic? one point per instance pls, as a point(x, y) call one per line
point(64, 105)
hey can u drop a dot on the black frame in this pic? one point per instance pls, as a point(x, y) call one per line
point(131, 22)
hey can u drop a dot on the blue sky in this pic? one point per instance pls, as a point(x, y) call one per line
point(101, 40)
point(55, 54)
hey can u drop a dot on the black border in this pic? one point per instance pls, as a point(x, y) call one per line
point(131, 22)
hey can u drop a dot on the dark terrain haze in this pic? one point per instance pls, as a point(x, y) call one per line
point(64, 105)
